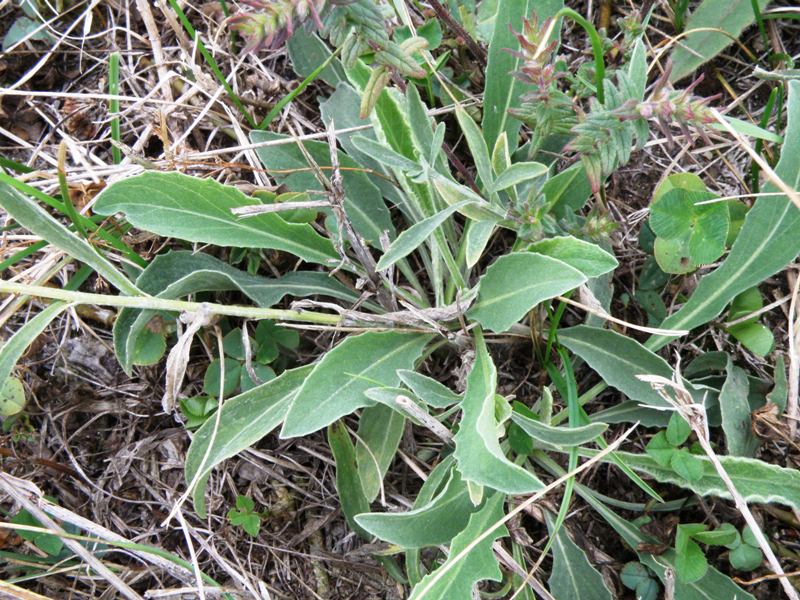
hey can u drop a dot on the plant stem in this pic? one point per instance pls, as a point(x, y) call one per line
point(597, 49)
point(155, 303)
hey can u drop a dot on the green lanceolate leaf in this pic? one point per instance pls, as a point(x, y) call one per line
point(431, 524)
point(502, 89)
point(180, 273)
point(35, 219)
point(735, 409)
point(429, 390)
point(243, 420)
point(558, 436)
point(517, 173)
point(573, 577)
point(767, 242)
point(590, 259)
point(457, 576)
point(618, 360)
point(478, 454)
point(337, 384)
point(755, 480)
point(414, 236)
point(13, 348)
point(730, 16)
point(712, 586)
point(348, 484)
point(477, 147)
point(199, 210)
point(379, 431)
point(517, 282)
point(363, 201)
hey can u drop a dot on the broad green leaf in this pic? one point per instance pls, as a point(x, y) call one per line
point(731, 16)
point(35, 219)
point(363, 201)
point(12, 396)
point(713, 586)
point(767, 242)
point(590, 259)
point(387, 396)
point(752, 334)
point(678, 430)
point(428, 389)
point(243, 420)
point(735, 409)
point(758, 482)
point(660, 449)
point(455, 193)
point(749, 129)
point(724, 536)
point(673, 255)
point(348, 484)
point(517, 282)
point(573, 577)
point(431, 524)
point(746, 557)
point(180, 273)
point(518, 173)
point(558, 436)
point(677, 216)
point(379, 431)
point(686, 465)
point(337, 384)
point(410, 239)
point(212, 379)
point(502, 89)
point(14, 347)
point(478, 454)
point(455, 580)
point(199, 210)
point(690, 564)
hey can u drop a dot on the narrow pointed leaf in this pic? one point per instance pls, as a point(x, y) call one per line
point(337, 384)
point(35, 219)
point(518, 173)
point(348, 484)
point(379, 431)
point(558, 436)
point(414, 236)
point(14, 347)
point(735, 409)
point(429, 390)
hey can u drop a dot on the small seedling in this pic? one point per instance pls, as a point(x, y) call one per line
point(665, 448)
point(244, 515)
point(639, 578)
